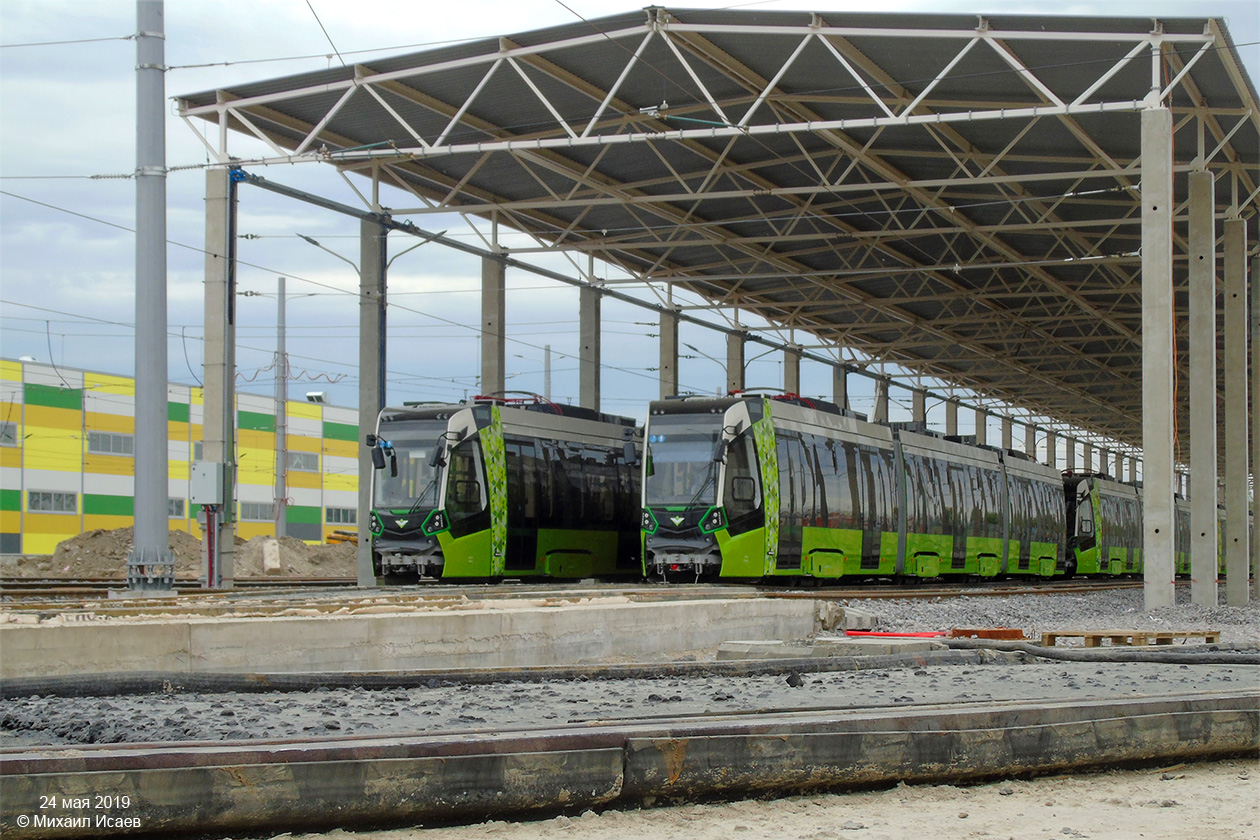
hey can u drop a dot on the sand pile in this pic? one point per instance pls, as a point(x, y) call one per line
point(297, 559)
point(103, 554)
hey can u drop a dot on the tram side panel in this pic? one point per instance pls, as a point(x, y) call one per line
point(956, 517)
point(839, 506)
point(1036, 530)
point(1105, 525)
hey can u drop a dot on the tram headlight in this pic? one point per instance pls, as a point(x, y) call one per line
point(714, 520)
point(648, 522)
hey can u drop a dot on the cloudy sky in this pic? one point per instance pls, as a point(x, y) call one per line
point(67, 118)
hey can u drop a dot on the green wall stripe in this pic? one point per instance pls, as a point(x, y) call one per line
point(256, 421)
point(341, 431)
point(100, 505)
point(177, 412)
point(10, 499)
point(53, 397)
point(302, 514)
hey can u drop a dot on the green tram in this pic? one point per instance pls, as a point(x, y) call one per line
point(749, 486)
point(1104, 521)
point(503, 488)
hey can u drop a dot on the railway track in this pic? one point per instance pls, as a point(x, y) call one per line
point(637, 758)
point(271, 596)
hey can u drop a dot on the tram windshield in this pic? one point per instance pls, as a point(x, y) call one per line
point(416, 484)
point(679, 457)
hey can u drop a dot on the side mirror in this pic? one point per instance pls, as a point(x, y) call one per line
point(393, 463)
point(378, 456)
point(438, 458)
point(628, 454)
point(719, 453)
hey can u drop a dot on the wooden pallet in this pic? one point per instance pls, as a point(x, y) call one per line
point(1094, 638)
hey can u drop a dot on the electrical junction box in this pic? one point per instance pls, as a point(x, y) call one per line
point(207, 483)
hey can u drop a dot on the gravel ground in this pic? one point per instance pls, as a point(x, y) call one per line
point(446, 707)
point(1118, 609)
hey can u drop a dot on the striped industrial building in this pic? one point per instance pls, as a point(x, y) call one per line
point(67, 439)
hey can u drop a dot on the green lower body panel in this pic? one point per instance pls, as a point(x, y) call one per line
point(469, 556)
point(743, 555)
point(577, 554)
point(928, 554)
point(984, 557)
point(835, 552)
point(1043, 559)
point(1087, 562)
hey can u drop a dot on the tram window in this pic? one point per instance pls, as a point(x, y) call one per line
point(742, 493)
point(743, 489)
point(466, 496)
point(467, 493)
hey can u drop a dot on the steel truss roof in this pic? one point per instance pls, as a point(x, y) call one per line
point(957, 195)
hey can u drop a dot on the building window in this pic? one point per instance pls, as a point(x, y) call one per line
point(303, 461)
point(111, 443)
point(8, 434)
point(45, 501)
point(257, 512)
point(341, 516)
point(174, 508)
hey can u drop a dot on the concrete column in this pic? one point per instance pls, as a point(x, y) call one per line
point(1119, 467)
point(1088, 462)
point(218, 424)
point(1202, 271)
point(1133, 462)
point(881, 400)
point(1070, 444)
point(1008, 433)
point(1255, 423)
point(1051, 456)
point(1236, 590)
point(982, 426)
point(1030, 441)
point(589, 361)
point(150, 564)
point(735, 361)
point(792, 370)
point(840, 385)
point(373, 245)
point(493, 324)
point(1157, 357)
point(918, 408)
point(951, 417)
point(669, 354)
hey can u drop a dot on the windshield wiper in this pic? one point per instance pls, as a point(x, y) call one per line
point(423, 494)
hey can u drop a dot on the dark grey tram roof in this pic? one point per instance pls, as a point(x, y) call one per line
point(951, 193)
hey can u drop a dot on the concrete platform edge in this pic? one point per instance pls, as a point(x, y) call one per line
point(360, 783)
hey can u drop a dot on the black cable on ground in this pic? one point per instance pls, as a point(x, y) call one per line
point(1181, 655)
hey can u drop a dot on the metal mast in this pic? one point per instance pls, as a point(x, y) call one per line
point(150, 564)
point(282, 399)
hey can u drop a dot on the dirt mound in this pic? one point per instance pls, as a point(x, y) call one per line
point(297, 559)
point(103, 554)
